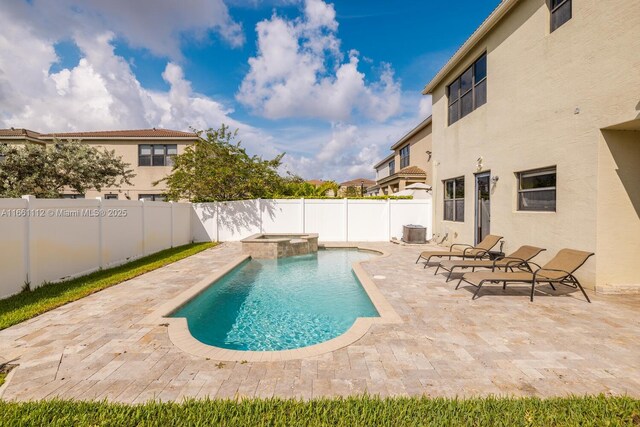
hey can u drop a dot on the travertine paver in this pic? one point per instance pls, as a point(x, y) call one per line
point(446, 345)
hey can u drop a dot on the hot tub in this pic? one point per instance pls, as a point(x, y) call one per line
point(271, 246)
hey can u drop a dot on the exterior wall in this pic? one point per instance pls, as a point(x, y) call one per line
point(419, 144)
point(548, 96)
point(145, 175)
point(618, 223)
point(382, 171)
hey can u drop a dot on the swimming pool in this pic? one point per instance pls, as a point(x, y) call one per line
point(281, 304)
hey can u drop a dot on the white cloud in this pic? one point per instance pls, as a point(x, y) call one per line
point(100, 92)
point(157, 25)
point(300, 71)
point(425, 106)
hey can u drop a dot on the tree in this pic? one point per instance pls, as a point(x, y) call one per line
point(297, 187)
point(215, 168)
point(45, 171)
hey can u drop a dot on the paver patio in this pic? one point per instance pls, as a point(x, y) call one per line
point(447, 345)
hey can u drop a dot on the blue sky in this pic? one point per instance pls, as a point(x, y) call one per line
point(333, 84)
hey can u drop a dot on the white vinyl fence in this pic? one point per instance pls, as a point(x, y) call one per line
point(48, 240)
point(335, 220)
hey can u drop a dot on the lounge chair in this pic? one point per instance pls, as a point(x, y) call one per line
point(522, 254)
point(475, 252)
point(559, 270)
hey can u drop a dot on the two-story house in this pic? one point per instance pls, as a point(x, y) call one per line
point(409, 163)
point(536, 134)
point(149, 153)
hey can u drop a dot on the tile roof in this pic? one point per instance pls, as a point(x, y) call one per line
point(411, 170)
point(19, 133)
point(316, 182)
point(131, 133)
point(358, 181)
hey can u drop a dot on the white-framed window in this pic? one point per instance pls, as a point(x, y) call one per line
point(152, 197)
point(537, 190)
point(156, 154)
point(560, 13)
point(454, 199)
point(73, 196)
point(404, 157)
point(392, 167)
point(110, 196)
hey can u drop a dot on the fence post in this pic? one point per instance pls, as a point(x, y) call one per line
point(144, 233)
point(217, 210)
point(171, 217)
point(389, 219)
point(27, 240)
point(100, 233)
point(346, 219)
point(302, 208)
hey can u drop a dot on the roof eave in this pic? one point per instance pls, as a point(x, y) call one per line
point(385, 160)
point(423, 124)
point(477, 35)
point(120, 138)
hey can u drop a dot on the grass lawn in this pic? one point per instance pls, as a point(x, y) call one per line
point(28, 304)
point(353, 411)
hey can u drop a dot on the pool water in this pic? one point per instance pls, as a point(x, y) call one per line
point(281, 304)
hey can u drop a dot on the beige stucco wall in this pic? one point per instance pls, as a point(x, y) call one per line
point(419, 144)
point(548, 96)
point(145, 175)
point(618, 223)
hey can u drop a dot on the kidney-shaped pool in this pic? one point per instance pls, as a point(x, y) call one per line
point(288, 303)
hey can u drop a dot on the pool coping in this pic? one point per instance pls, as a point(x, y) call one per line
point(181, 337)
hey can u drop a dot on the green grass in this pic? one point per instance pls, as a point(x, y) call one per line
point(3, 376)
point(28, 304)
point(353, 411)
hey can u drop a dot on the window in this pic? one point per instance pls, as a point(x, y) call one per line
point(454, 199)
point(392, 167)
point(469, 91)
point(560, 13)
point(111, 196)
point(156, 155)
point(537, 190)
point(152, 197)
point(404, 157)
point(73, 196)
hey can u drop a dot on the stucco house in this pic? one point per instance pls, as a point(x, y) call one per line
point(19, 136)
point(536, 134)
point(409, 163)
point(355, 187)
point(148, 151)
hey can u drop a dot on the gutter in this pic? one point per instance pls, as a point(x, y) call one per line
point(126, 138)
point(423, 124)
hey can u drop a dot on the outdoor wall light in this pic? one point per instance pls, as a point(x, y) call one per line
point(495, 179)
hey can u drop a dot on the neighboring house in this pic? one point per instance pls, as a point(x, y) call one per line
point(408, 164)
point(536, 132)
point(149, 153)
point(355, 187)
point(19, 136)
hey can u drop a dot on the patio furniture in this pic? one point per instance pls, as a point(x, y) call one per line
point(558, 270)
point(522, 254)
point(476, 252)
